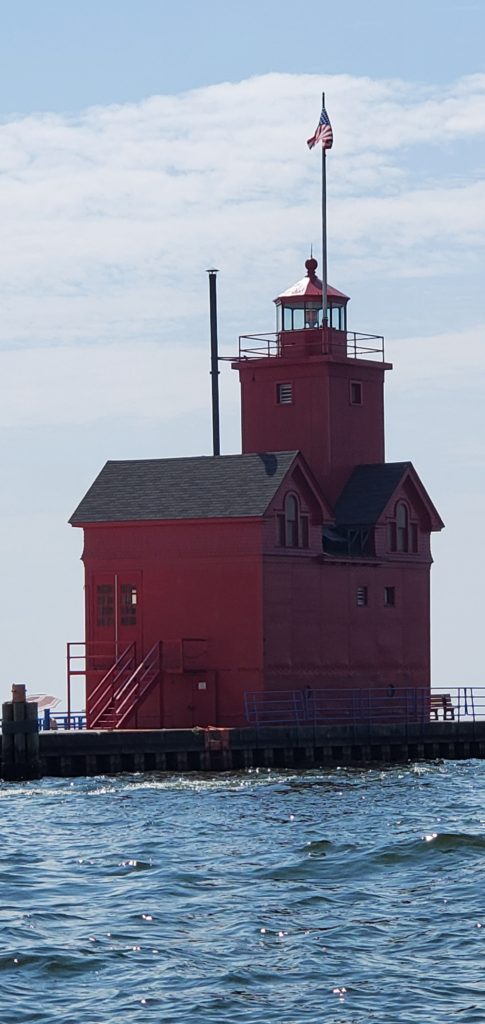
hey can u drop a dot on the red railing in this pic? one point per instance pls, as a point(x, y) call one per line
point(120, 688)
point(104, 694)
point(321, 341)
point(138, 685)
point(94, 655)
point(82, 658)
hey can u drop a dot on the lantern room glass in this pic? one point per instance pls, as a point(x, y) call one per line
point(308, 316)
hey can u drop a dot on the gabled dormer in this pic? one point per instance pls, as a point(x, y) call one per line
point(296, 515)
point(384, 511)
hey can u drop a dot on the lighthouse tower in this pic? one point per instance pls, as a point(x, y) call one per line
point(350, 608)
point(315, 387)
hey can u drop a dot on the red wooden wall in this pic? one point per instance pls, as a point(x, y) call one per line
point(197, 580)
point(316, 634)
point(333, 434)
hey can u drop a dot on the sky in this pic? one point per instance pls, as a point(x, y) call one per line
point(140, 144)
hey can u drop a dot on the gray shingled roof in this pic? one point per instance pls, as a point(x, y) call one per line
point(367, 493)
point(191, 488)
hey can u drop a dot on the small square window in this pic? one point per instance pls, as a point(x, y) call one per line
point(355, 392)
point(362, 597)
point(389, 597)
point(284, 394)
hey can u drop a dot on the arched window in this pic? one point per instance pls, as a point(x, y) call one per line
point(292, 525)
point(403, 534)
point(402, 527)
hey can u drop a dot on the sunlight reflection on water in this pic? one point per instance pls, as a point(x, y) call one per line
point(266, 896)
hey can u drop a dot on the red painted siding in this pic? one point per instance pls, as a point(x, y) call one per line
point(314, 631)
point(199, 579)
point(333, 434)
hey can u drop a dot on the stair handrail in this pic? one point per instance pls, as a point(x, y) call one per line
point(130, 649)
point(117, 670)
point(137, 685)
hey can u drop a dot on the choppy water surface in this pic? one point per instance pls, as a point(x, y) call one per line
point(327, 896)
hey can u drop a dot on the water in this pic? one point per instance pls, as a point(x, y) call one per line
point(335, 896)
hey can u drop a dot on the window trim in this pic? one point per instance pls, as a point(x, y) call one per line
point(403, 537)
point(292, 524)
point(402, 528)
point(293, 531)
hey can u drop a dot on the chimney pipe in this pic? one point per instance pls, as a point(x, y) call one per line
point(216, 441)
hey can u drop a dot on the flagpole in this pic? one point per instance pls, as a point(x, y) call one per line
point(324, 229)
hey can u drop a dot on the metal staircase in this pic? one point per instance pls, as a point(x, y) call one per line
point(120, 692)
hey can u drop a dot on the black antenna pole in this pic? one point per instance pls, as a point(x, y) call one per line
point(216, 441)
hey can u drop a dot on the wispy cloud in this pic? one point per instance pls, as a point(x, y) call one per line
point(110, 217)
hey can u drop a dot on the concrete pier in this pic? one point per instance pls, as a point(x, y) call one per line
point(76, 753)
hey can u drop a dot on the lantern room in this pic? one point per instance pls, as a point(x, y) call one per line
point(300, 307)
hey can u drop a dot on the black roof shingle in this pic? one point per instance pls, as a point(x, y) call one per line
point(205, 487)
point(367, 493)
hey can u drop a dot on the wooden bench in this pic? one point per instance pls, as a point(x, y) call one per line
point(441, 702)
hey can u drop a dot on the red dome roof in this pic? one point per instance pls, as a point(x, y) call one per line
point(310, 287)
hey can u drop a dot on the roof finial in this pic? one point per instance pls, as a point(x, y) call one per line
point(311, 265)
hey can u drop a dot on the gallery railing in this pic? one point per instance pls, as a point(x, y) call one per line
point(321, 341)
point(364, 706)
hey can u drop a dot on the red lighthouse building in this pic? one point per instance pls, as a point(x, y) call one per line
point(292, 576)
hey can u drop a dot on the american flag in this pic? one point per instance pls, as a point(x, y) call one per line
point(323, 132)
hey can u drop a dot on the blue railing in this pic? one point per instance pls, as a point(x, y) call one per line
point(52, 721)
point(364, 706)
